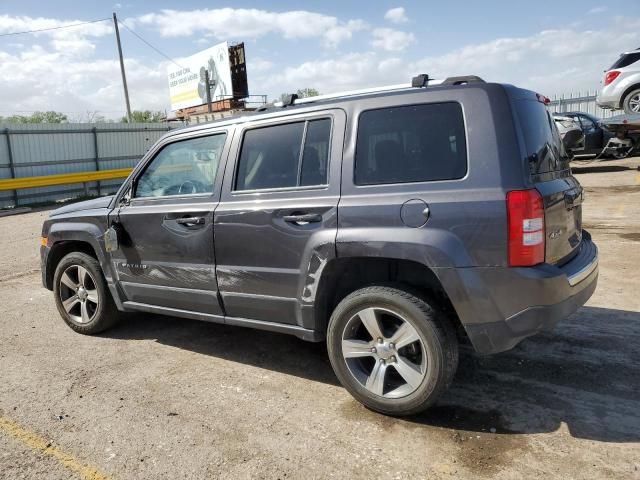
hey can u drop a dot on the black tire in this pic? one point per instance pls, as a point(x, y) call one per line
point(436, 334)
point(630, 101)
point(105, 314)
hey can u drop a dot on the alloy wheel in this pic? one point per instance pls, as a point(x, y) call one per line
point(384, 352)
point(634, 103)
point(79, 294)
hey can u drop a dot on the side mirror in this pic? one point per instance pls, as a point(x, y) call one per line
point(111, 239)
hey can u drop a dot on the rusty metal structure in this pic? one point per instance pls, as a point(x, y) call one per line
point(238, 101)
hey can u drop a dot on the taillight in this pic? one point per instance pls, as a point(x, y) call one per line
point(543, 99)
point(611, 76)
point(525, 214)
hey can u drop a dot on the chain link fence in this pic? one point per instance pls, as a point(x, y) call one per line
point(580, 102)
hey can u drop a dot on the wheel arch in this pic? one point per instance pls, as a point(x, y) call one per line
point(86, 236)
point(344, 275)
point(623, 97)
point(62, 248)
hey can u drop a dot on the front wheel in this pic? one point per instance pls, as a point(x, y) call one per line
point(391, 350)
point(631, 103)
point(82, 296)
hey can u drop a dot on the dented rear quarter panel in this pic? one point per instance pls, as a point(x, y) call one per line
point(467, 224)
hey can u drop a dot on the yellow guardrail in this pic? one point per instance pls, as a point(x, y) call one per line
point(62, 179)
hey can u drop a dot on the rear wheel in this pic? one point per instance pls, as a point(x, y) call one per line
point(82, 296)
point(631, 103)
point(391, 350)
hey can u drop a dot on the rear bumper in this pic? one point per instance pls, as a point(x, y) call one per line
point(499, 307)
point(609, 98)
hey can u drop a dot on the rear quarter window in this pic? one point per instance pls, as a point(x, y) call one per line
point(415, 143)
point(544, 150)
point(625, 60)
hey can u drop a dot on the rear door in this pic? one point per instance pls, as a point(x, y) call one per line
point(166, 255)
point(277, 219)
point(547, 163)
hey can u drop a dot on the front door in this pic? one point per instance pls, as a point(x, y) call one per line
point(276, 223)
point(592, 135)
point(166, 256)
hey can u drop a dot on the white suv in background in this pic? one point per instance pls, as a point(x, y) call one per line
point(621, 86)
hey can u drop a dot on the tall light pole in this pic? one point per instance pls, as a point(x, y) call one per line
point(124, 77)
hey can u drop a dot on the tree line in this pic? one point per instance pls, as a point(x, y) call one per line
point(137, 116)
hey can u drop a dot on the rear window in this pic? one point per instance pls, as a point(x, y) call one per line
point(544, 149)
point(625, 60)
point(415, 143)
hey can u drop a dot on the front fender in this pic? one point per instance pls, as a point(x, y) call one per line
point(89, 230)
point(81, 232)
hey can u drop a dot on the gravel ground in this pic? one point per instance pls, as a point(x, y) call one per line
point(159, 397)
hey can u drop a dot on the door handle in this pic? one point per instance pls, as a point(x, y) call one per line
point(190, 221)
point(303, 218)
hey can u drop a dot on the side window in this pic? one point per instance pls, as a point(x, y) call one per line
point(416, 143)
point(281, 156)
point(315, 157)
point(186, 167)
point(587, 123)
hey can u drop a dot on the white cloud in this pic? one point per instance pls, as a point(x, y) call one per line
point(64, 70)
point(77, 47)
point(552, 61)
point(391, 40)
point(396, 15)
point(71, 41)
point(260, 65)
point(242, 23)
point(354, 70)
point(42, 79)
point(10, 24)
point(596, 10)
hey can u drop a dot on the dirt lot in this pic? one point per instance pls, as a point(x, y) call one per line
point(168, 398)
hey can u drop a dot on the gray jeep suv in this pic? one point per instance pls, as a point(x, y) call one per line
point(394, 224)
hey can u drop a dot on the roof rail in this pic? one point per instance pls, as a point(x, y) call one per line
point(462, 80)
point(363, 91)
point(418, 81)
point(349, 93)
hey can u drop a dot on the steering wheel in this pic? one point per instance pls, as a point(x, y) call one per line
point(189, 187)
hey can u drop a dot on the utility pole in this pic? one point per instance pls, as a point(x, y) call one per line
point(124, 77)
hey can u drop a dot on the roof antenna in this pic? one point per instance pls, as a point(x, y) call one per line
point(420, 81)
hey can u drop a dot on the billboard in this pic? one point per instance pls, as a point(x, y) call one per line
point(188, 85)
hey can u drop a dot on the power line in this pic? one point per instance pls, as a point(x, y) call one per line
point(89, 22)
point(54, 28)
point(151, 46)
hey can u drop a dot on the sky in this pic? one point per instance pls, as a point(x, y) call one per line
point(550, 47)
